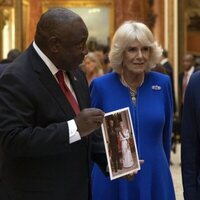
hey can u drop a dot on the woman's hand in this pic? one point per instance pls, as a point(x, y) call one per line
point(130, 177)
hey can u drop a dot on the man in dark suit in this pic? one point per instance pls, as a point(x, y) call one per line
point(11, 56)
point(169, 70)
point(190, 150)
point(44, 135)
point(184, 76)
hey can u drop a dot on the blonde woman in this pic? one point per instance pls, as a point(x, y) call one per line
point(92, 66)
point(134, 52)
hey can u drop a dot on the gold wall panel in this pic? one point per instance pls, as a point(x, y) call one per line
point(101, 4)
point(32, 10)
point(6, 3)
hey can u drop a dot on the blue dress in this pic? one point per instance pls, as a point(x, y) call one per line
point(152, 121)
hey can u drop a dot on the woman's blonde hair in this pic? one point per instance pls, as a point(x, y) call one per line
point(126, 34)
point(93, 57)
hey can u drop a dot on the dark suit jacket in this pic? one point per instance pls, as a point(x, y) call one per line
point(38, 163)
point(169, 71)
point(181, 75)
point(2, 67)
point(190, 151)
point(180, 83)
point(3, 194)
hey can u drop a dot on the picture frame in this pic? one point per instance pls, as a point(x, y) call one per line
point(120, 143)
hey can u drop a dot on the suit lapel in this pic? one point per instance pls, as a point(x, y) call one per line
point(49, 81)
point(51, 84)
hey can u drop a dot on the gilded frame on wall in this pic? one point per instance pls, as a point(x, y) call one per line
point(25, 23)
point(78, 6)
point(7, 27)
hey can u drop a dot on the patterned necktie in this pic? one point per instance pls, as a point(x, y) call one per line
point(67, 92)
point(185, 82)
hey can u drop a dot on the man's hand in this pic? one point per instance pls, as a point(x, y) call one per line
point(88, 120)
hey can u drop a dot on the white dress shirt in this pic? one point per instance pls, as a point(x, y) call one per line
point(73, 133)
point(190, 72)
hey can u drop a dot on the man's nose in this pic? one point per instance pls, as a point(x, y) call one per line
point(85, 50)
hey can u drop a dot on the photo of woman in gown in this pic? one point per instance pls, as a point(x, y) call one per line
point(127, 158)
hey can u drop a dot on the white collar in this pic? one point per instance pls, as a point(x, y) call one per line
point(163, 61)
point(191, 70)
point(46, 60)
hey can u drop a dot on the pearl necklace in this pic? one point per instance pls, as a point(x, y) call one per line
point(131, 90)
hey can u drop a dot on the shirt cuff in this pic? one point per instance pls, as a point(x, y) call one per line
point(73, 133)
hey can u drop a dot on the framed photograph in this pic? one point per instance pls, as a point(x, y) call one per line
point(120, 145)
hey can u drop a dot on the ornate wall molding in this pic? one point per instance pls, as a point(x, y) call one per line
point(193, 3)
point(130, 10)
point(193, 22)
point(6, 3)
point(151, 15)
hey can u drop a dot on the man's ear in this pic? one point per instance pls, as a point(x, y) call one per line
point(54, 44)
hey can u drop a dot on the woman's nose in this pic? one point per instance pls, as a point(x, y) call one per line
point(139, 53)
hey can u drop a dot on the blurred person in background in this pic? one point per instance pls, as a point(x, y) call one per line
point(188, 69)
point(176, 122)
point(99, 51)
point(169, 70)
point(102, 52)
point(159, 68)
point(107, 66)
point(11, 56)
point(197, 63)
point(92, 66)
